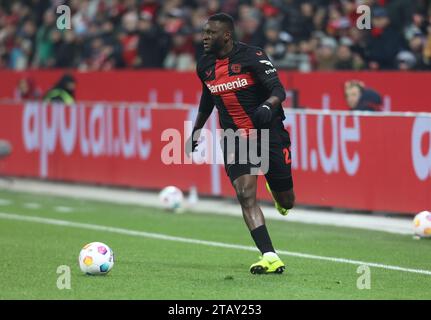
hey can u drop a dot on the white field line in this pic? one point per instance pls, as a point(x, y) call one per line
point(63, 209)
point(396, 225)
point(5, 202)
point(64, 223)
point(31, 205)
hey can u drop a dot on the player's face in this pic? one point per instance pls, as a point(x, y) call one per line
point(214, 36)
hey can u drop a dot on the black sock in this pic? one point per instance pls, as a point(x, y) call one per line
point(261, 238)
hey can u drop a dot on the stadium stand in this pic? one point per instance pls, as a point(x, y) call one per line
point(302, 35)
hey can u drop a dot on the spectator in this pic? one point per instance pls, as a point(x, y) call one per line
point(198, 20)
point(399, 12)
point(296, 57)
point(360, 98)
point(28, 35)
point(308, 58)
point(181, 56)
point(417, 26)
point(290, 30)
point(344, 58)
point(63, 91)
point(384, 41)
point(427, 50)
point(19, 55)
point(338, 24)
point(129, 39)
point(251, 28)
point(406, 61)
point(355, 56)
point(325, 56)
point(67, 51)
point(275, 40)
point(416, 46)
point(298, 20)
point(27, 90)
point(44, 44)
point(153, 43)
point(358, 41)
point(101, 57)
point(290, 58)
point(213, 7)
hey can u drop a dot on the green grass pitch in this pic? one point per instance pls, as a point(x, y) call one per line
point(147, 268)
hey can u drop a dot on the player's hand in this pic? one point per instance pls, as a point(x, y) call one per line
point(192, 142)
point(262, 115)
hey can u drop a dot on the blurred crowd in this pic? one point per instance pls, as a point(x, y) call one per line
point(302, 35)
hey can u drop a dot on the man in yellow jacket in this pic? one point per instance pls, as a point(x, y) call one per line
point(63, 91)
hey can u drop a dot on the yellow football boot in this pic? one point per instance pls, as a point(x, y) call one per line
point(280, 209)
point(269, 263)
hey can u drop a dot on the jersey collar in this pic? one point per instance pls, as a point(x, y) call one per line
point(232, 52)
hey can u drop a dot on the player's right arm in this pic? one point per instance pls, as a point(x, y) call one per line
point(206, 105)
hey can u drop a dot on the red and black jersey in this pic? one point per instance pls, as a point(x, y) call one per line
point(237, 85)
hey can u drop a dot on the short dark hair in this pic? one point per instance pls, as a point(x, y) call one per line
point(224, 18)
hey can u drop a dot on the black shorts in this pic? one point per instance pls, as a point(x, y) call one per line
point(279, 171)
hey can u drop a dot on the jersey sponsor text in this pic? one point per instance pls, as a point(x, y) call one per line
point(221, 87)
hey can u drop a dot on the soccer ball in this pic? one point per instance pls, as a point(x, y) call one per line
point(171, 198)
point(96, 258)
point(422, 224)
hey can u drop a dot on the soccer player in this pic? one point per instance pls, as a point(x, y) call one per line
point(242, 83)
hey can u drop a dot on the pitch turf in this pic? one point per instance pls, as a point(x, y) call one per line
point(148, 268)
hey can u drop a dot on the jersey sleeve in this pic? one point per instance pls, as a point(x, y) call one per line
point(206, 104)
point(265, 72)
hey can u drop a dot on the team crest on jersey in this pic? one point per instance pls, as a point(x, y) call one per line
point(208, 73)
point(235, 67)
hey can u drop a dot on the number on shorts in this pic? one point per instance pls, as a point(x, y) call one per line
point(286, 152)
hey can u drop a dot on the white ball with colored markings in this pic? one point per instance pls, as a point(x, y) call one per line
point(171, 198)
point(96, 258)
point(422, 224)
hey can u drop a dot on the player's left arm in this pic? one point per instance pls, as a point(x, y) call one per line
point(265, 72)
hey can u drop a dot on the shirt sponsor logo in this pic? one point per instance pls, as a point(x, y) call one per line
point(238, 83)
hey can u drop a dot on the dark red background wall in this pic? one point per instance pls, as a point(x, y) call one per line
point(403, 91)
